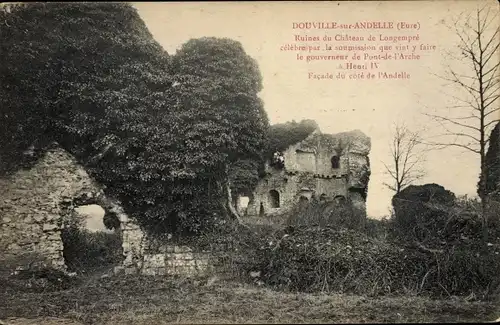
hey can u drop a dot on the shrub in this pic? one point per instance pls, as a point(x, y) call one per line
point(431, 214)
point(326, 214)
point(379, 229)
point(348, 261)
point(440, 220)
point(85, 251)
point(421, 211)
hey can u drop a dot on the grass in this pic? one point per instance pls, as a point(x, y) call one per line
point(163, 300)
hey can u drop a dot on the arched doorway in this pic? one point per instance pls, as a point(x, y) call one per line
point(274, 199)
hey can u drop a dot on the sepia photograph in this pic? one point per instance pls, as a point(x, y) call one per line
point(249, 162)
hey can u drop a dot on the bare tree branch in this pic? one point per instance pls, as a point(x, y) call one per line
point(478, 92)
point(452, 121)
point(407, 158)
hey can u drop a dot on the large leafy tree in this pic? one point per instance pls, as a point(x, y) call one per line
point(217, 86)
point(91, 77)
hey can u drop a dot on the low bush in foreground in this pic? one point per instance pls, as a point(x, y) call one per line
point(348, 261)
point(368, 261)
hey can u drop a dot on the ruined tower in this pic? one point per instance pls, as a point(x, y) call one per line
point(322, 166)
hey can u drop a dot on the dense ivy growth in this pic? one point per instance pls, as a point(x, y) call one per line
point(283, 135)
point(159, 132)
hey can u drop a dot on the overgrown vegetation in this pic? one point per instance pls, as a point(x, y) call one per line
point(283, 135)
point(171, 135)
point(431, 246)
point(165, 300)
point(426, 250)
point(159, 131)
point(86, 251)
point(348, 261)
point(317, 213)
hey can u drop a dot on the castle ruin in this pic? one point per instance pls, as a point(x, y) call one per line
point(323, 166)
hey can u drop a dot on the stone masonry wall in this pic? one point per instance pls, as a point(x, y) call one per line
point(308, 172)
point(166, 259)
point(32, 203)
point(291, 186)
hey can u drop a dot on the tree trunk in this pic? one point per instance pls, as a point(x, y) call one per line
point(232, 210)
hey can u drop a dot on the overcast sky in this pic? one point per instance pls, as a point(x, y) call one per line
point(337, 105)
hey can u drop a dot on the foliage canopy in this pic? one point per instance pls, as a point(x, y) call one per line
point(158, 132)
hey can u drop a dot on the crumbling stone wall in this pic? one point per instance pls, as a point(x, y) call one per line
point(308, 173)
point(32, 203)
point(145, 256)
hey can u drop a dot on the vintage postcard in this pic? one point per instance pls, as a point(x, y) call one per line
point(249, 162)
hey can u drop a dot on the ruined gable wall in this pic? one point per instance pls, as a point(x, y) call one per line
point(32, 203)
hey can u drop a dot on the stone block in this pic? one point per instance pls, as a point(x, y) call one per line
point(52, 236)
point(202, 256)
point(27, 219)
point(49, 227)
point(149, 271)
point(125, 246)
point(13, 247)
point(154, 260)
point(128, 260)
point(173, 263)
point(52, 217)
point(183, 256)
point(39, 217)
point(123, 218)
point(50, 246)
point(202, 264)
point(130, 270)
point(182, 249)
point(190, 263)
point(186, 271)
point(131, 226)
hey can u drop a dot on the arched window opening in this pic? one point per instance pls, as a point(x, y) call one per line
point(340, 200)
point(335, 162)
point(274, 199)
